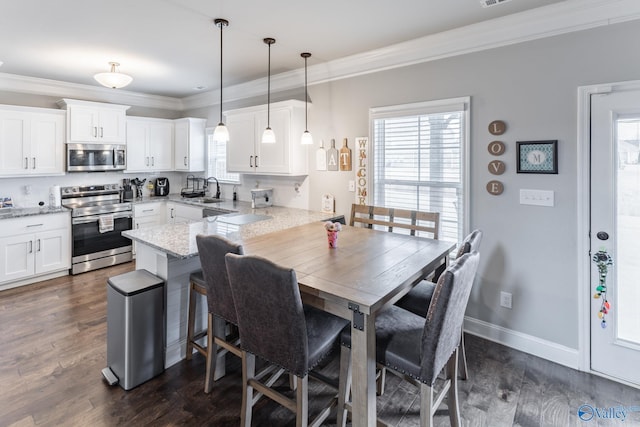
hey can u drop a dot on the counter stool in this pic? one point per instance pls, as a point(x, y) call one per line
point(197, 285)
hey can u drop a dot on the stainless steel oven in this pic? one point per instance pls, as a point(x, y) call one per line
point(98, 218)
point(95, 157)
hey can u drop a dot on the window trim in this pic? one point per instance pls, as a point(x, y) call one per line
point(209, 132)
point(427, 107)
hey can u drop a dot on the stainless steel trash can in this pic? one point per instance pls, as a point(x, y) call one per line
point(135, 328)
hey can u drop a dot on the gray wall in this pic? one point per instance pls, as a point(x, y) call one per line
point(527, 250)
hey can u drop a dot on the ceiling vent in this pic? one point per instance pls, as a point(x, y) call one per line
point(489, 3)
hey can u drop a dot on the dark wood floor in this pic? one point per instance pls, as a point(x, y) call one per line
point(53, 345)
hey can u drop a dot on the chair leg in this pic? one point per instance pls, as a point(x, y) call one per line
point(191, 318)
point(302, 401)
point(452, 394)
point(219, 330)
point(464, 372)
point(426, 405)
point(344, 385)
point(382, 377)
point(211, 356)
point(248, 371)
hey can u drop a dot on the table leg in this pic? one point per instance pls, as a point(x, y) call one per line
point(363, 357)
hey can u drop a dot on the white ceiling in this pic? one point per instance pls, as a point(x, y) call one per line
point(170, 47)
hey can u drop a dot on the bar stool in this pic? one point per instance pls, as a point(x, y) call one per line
point(197, 285)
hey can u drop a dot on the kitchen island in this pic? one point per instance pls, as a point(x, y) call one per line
point(170, 252)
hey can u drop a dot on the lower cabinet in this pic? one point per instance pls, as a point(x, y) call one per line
point(34, 246)
point(147, 215)
point(178, 213)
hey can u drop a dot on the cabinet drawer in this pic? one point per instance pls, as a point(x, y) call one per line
point(34, 224)
point(148, 209)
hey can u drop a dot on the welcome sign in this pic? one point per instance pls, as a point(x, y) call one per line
point(362, 176)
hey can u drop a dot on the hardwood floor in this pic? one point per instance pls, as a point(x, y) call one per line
point(53, 348)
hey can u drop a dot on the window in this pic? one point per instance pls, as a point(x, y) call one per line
point(420, 160)
point(217, 160)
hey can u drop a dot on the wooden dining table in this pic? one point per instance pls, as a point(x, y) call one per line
point(367, 271)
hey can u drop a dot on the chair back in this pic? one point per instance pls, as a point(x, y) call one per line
point(470, 243)
point(212, 250)
point(392, 218)
point(271, 318)
point(441, 334)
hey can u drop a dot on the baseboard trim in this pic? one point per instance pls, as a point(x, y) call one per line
point(530, 344)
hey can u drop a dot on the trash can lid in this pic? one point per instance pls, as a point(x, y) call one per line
point(135, 282)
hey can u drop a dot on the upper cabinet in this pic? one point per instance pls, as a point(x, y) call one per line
point(247, 154)
point(31, 141)
point(95, 122)
point(189, 144)
point(149, 144)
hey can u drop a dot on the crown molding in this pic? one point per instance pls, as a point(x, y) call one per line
point(38, 86)
point(547, 21)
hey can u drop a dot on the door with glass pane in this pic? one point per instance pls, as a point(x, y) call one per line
point(615, 234)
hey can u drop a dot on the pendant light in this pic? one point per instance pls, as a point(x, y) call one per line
point(221, 133)
point(113, 79)
point(268, 137)
point(307, 139)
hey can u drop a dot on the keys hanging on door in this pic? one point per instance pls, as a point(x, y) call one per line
point(603, 262)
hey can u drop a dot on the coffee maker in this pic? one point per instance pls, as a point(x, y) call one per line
point(161, 187)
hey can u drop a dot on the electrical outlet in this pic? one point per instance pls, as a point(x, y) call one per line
point(352, 186)
point(506, 299)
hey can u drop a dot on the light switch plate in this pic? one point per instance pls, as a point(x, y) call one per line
point(537, 197)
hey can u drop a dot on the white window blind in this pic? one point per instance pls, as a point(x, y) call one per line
point(419, 153)
point(217, 160)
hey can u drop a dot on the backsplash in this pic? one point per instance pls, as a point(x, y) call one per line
point(291, 192)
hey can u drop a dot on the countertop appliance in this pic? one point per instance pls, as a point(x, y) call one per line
point(161, 187)
point(261, 197)
point(96, 157)
point(98, 218)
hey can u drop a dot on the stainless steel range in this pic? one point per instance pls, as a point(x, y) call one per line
point(98, 218)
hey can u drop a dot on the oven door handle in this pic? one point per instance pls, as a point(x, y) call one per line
point(94, 218)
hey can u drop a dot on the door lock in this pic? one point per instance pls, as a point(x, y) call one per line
point(602, 235)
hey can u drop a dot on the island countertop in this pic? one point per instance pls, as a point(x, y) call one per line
point(179, 240)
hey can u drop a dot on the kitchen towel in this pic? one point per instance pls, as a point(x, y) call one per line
point(105, 223)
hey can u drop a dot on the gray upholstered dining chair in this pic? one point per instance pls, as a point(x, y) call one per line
point(418, 348)
point(275, 326)
point(418, 299)
point(221, 309)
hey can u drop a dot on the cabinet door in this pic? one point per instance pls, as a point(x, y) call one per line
point(47, 144)
point(181, 150)
point(111, 127)
point(189, 145)
point(137, 158)
point(52, 251)
point(274, 158)
point(160, 145)
point(240, 148)
point(83, 123)
point(16, 257)
point(14, 143)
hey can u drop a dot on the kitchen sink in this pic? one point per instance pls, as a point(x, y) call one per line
point(210, 200)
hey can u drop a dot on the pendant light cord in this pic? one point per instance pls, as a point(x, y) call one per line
point(221, 26)
point(306, 95)
point(269, 42)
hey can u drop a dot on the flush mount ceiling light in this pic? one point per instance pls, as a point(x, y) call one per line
point(221, 133)
point(307, 139)
point(268, 137)
point(113, 78)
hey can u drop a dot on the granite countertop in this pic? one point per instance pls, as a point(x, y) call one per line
point(179, 240)
point(8, 213)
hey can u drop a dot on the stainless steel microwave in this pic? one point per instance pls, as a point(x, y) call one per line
point(96, 157)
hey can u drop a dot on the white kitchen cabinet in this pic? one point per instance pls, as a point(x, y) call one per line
point(34, 246)
point(147, 215)
point(247, 154)
point(149, 144)
point(31, 141)
point(178, 213)
point(189, 144)
point(95, 122)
